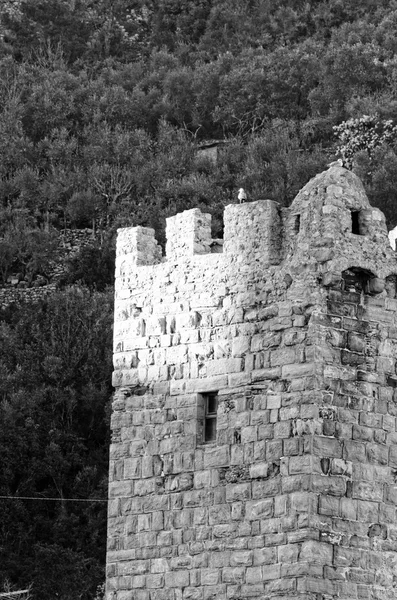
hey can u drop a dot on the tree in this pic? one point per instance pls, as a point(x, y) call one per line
point(55, 388)
point(92, 266)
point(241, 106)
point(347, 69)
point(364, 134)
point(179, 97)
point(276, 166)
point(176, 22)
point(8, 252)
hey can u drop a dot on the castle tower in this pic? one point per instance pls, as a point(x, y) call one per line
point(254, 449)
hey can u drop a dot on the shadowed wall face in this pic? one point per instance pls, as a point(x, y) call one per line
point(254, 418)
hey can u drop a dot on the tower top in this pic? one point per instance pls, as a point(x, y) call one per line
point(254, 422)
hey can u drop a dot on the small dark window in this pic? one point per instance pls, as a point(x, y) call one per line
point(355, 224)
point(297, 225)
point(210, 413)
point(356, 279)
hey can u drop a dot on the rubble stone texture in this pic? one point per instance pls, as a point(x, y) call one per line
point(294, 326)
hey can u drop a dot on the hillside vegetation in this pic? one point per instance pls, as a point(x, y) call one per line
point(103, 106)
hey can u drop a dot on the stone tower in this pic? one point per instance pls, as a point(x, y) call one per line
point(254, 449)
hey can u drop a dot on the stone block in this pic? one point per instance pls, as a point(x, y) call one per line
point(354, 451)
point(329, 505)
point(298, 370)
point(393, 456)
point(176, 579)
point(216, 457)
point(208, 384)
point(368, 490)
point(242, 558)
point(154, 581)
point(219, 514)
point(210, 576)
point(281, 586)
point(266, 489)
point(318, 586)
point(316, 552)
point(367, 512)
point(282, 429)
point(192, 593)
point(223, 365)
point(377, 454)
point(339, 466)
point(213, 592)
point(259, 470)
point(233, 575)
point(288, 553)
point(349, 557)
point(241, 346)
point(264, 374)
point(236, 492)
point(253, 575)
point(264, 556)
point(332, 485)
point(259, 509)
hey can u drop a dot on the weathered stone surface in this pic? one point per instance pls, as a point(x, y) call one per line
point(294, 327)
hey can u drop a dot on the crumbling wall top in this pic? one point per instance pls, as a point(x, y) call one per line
point(329, 227)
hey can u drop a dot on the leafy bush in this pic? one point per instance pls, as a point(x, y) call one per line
point(92, 266)
point(364, 134)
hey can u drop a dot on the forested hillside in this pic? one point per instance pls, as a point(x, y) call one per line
point(104, 105)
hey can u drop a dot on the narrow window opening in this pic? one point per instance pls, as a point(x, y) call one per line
point(356, 280)
point(210, 414)
point(355, 223)
point(297, 224)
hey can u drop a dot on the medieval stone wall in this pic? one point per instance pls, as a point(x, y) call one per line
point(293, 329)
point(17, 291)
point(12, 295)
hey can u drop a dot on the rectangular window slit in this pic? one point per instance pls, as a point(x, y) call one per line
point(355, 223)
point(210, 414)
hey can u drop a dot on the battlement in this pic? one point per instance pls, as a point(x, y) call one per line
point(252, 232)
point(254, 419)
point(330, 222)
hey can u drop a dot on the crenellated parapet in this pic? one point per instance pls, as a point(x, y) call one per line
point(329, 221)
point(253, 231)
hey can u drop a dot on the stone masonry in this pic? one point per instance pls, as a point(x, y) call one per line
point(254, 450)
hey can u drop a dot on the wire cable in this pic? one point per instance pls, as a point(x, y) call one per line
point(53, 499)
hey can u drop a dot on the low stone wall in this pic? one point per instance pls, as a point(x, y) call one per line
point(11, 295)
point(71, 242)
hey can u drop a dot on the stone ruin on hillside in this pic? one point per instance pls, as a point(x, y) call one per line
point(254, 450)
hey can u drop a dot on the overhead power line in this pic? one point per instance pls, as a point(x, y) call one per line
point(52, 499)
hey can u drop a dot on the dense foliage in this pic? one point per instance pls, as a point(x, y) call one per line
point(55, 388)
point(103, 107)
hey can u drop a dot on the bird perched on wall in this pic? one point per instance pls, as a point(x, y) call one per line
point(242, 196)
point(336, 163)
